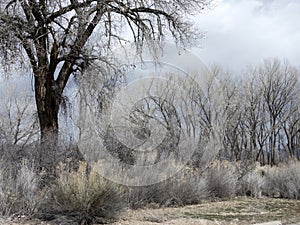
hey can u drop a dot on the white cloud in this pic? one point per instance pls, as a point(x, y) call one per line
point(239, 33)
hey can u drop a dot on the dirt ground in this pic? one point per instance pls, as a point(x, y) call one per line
point(237, 211)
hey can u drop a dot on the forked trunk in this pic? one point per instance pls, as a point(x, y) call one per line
point(48, 100)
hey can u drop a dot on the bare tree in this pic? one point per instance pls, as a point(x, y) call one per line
point(270, 94)
point(210, 109)
point(19, 128)
point(290, 120)
point(61, 38)
point(253, 109)
point(290, 123)
point(279, 82)
point(18, 125)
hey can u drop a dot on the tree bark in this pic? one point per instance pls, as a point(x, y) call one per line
point(47, 101)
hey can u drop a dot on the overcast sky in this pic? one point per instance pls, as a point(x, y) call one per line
point(243, 32)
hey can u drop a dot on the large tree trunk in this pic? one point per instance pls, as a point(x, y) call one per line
point(47, 100)
point(48, 97)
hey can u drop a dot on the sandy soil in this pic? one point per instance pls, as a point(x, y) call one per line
point(235, 211)
point(238, 211)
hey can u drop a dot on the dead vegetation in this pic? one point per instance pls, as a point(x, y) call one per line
point(189, 197)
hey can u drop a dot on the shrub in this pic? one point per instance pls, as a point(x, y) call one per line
point(251, 184)
point(20, 193)
point(221, 180)
point(183, 189)
point(283, 181)
point(187, 187)
point(86, 195)
point(144, 196)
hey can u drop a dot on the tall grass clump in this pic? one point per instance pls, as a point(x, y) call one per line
point(86, 195)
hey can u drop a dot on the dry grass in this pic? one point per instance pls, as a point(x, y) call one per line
point(221, 180)
point(86, 195)
point(237, 211)
point(240, 211)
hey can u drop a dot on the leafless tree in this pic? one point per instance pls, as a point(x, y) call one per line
point(210, 109)
point(62, 38)
point(17, 123)
point(260, 112)
point(279, 88)
point(254, 114)
point(269, 95)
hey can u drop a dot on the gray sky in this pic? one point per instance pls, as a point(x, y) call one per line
point(244, 32)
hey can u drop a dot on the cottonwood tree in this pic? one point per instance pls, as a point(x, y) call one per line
point(254, 114)
point(279, 83)
point(208, 104)
point(61, 38)
point(270, 94)
point(290, 121)
point(234, 142)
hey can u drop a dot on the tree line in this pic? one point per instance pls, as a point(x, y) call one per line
point(256, 116)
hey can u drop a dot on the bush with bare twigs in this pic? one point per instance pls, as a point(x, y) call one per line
point(183, 189)
point(20, 191)
point(221, 180)
point(86, 195)
point(283, 181)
